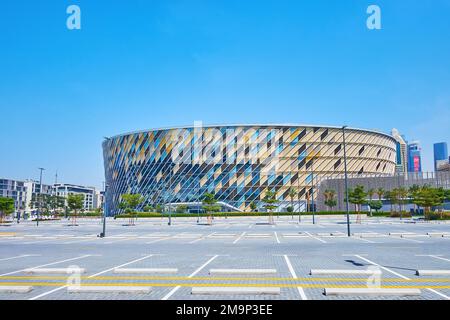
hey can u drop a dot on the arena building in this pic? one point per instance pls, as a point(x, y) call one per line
point(239, 163)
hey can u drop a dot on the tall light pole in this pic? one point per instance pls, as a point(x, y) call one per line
point(198, 200)
point(170, 207)
point(105, 187)
point(312, 191)
point(298, 198)
point(40, 196)
point(346, 181)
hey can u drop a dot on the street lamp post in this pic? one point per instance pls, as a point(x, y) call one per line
point(198, 207)
point(312, 191)
point(165, 197)
point(103, 234)
point(346, 181)
point(40, 196)
point(298, 198)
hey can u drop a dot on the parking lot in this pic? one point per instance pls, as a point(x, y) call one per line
point(235, 258)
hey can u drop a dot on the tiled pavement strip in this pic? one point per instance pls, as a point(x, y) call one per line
point(292, 249)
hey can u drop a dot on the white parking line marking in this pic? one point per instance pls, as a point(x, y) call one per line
point(276, 237)
point(167, 296)
point(440, 258)
point(407, 239)
point(309, 234)
point(399, 275)
point(157, 240)
point(92, 276)
point(76, 241)
point(202, 238)
point(294, 275)
point(47, 264)
point(40, 241)
point(21, 256)
point(365, 240)
point(126, 239)
point(239, 238)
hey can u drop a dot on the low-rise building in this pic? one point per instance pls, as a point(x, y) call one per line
point(14, 189)
point(65, 189)
point(24, 192)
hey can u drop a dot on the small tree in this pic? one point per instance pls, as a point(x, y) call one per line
point(253, 206)
point(357, 197)
point(6, 207)
point(270, 203)
point(380, 193)
point(429, 197)
point(57, 204)
point(413, 194)
point(209, 204)
point(75, 202)
point(330, 198)
point(130, 202)
point(375, 205)
point(292, 193)
point(148, 208)
point(182, 208)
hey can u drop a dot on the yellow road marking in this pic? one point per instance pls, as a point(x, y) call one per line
point(213, 278)
point(282, 285)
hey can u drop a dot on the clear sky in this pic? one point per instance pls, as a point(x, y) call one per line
point(156, 63)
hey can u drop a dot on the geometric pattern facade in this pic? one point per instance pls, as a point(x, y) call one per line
point(238, 163)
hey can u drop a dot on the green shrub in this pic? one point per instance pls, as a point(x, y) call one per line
point(182, 208)
point(240, 214)
point(398, 215)
point(437, 216)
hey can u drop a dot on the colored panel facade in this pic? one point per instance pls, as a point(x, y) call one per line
point(414, 157)
point(440, 153)
point(237, 163)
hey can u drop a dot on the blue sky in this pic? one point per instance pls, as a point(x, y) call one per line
point(144, 64)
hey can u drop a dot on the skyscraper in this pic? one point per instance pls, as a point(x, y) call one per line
point(440, 153)
point(414, 157)
point(402, 154)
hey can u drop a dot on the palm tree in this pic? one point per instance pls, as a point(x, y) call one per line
point(413, 194)
point(389, 195)
point(402, 198)
point(380, 193)
point(292, 193)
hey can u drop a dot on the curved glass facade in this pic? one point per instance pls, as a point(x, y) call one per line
point(237, 163)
